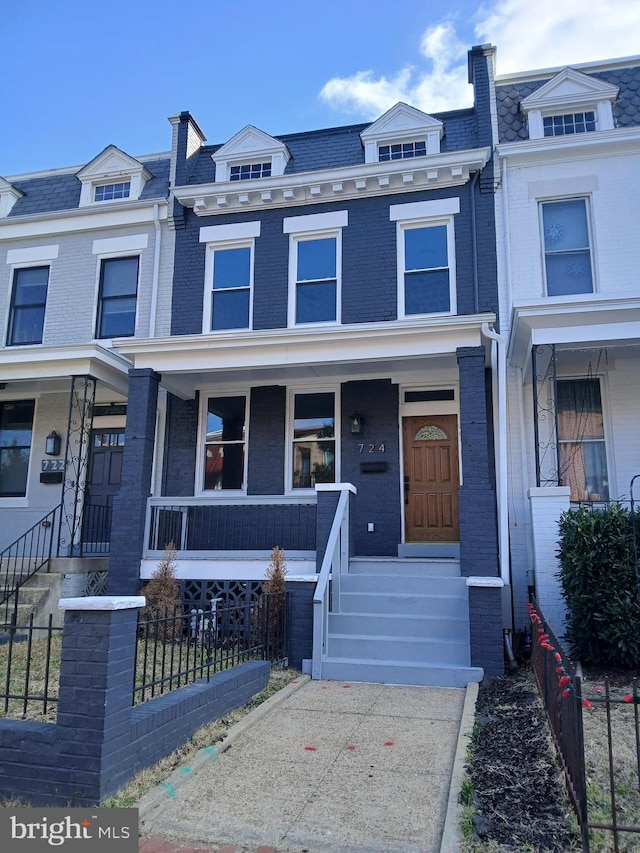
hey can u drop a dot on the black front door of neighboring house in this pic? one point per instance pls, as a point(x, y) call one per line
point(105, 472)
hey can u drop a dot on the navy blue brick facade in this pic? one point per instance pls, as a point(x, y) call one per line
point(485, 617)
point(267, 441)
point(181, 433)
point(378, 498)
point(300, 621)
point(100, 740)
point(130, 504)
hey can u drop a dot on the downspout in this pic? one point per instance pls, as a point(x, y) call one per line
point(474, 243)
point(156, 272)
point(498, 354)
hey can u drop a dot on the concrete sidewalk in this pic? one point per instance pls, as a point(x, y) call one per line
point(333, 767)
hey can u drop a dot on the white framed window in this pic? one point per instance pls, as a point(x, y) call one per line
point(112, 192)
point(117, 297)
point(250, 171)
point(402, 150)
point(16, 432)
point(223, 457)
point(567, 124)
point(313, 439)
point(426, 256)
point(28, 305)
point(228, 297)
point(581, 439)
point(315, 266)
point(567, 246)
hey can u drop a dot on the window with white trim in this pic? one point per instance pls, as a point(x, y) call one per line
point(567, 247)
point(112, 192)
point(224, 443)
point(16, 429)
point(402, 150)
point(315, 264)
point(250, 171)
point(228, 275)
point(581, 439)
point(569, 123)
point(117, 297)
point(28, 304)
point(313, 439)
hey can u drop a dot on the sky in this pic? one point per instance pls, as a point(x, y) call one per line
point(79, 75)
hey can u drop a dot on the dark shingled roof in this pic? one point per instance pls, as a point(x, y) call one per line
point(512, 125)
point(337, 147)
point(62, 192)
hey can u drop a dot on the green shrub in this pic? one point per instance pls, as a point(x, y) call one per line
point(599, 585)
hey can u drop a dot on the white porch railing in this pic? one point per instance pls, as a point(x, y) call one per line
point(334, 564)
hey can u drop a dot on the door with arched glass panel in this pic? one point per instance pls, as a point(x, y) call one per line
point(431, 479)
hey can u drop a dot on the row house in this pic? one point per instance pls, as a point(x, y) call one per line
point(326, 382)
point(567, 212)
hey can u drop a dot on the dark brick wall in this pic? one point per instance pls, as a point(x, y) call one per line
point(267, 441)
point(179, 471)
point(130, 504)
point(378, 498)
point(300, 621)
point(485, 616)
point(326, 511)
point(100, 740)
point(477, 496)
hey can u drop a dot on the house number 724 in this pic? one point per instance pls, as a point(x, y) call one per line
point(370, 448)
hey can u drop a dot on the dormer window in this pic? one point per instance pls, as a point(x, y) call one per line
point(565, 125)
point(250, 171)
point(111, 192)
point(402, 151)
point(112, 176)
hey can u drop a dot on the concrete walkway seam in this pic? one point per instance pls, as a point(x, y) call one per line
point(154, 798)
point(452, 833)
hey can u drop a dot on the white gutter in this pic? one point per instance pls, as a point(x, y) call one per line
point(498, 353)
point(156, 273)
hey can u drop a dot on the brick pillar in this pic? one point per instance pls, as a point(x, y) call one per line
point(328, 496)
point(547, 504)
point(130, 504)
point(477, 496)
point(95, 696)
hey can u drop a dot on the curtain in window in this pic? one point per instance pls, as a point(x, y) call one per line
point(583, 460)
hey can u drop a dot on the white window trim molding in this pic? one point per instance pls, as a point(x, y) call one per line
point(235, 235)
point(222, 494)
point(108, 256)
point(250, 145)
point(407, 224)
point(292, 391)
point(32, 255)
point(424, 209)
point(401, 123)
point(315, 222)
point(111, 166)
point(588, 200)
point(295, 238)
point(25, 264)
point(120, 245)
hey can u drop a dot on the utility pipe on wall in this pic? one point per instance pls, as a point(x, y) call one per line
point(156, 273)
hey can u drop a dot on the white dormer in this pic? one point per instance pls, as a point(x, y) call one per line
point(9, 195)
point(250, 154)
point(572, 102)
point(402, 132)
point(111, 176)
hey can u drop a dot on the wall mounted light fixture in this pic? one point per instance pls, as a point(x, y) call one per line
point(356, 423)
point(52, 444)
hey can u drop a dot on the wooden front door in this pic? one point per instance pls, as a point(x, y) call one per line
point(105, 472)
point(431, 478)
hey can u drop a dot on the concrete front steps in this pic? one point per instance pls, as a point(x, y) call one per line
point(39, 596)
point(401, 621)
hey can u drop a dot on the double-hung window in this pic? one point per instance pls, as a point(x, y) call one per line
point(228, 275)
point(315, 263)
point(313, 439)
point(117, 297)
point(16, 427)
point(224, 443)
point(567, 248)
point(581, 440)
point(28, 303)
point(426, 256)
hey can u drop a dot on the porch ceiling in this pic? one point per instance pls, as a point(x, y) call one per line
point(590, 321)
point(281, 356)
point(41, 368)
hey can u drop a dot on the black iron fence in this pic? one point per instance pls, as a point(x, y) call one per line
point(599, 754)
point(30, 669)
point(96, 529)
point(175, 649)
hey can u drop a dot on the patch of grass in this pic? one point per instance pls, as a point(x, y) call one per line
point(28, 676)
point(206, 736)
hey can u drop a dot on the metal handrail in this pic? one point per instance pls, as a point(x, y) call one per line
point(336, 557)
point(21, 560)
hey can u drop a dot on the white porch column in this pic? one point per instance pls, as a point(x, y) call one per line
point(547, 504)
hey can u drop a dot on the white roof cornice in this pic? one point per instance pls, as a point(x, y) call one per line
point(366, 179)
point(599, 142)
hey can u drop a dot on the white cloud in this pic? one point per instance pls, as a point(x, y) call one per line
point(541, 35)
